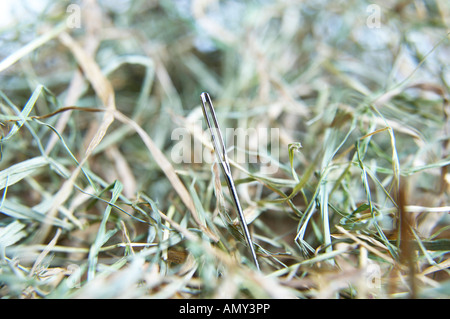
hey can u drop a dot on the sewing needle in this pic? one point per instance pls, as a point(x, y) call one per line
point(221, 152)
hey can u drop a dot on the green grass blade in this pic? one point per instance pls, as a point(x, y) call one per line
point(103, 235)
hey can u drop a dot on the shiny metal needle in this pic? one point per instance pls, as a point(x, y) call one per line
point(221, 152)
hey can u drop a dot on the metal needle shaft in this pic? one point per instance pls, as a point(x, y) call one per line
point(221, 152)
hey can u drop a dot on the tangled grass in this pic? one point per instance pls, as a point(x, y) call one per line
point(94, 206)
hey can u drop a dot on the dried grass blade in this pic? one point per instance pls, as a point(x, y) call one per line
point(167, 168)
point(19, 171)
point(103, 235)
point(105, 92)
point(30, 47)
